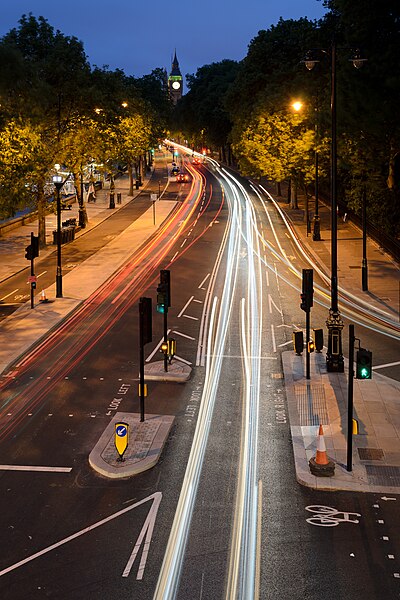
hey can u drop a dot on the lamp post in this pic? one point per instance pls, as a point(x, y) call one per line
point(334, 323)
point(58, 183)
point(316, 220)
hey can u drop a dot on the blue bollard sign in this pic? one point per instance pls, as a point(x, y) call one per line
point(121, 438)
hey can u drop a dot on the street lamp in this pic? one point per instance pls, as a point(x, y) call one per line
point(334, 323)
point(58, 183)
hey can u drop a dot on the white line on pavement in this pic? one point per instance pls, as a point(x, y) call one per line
point(185, 307)
point(10, 294)
point(32, 468)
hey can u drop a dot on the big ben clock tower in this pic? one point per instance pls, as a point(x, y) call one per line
point(175, 81)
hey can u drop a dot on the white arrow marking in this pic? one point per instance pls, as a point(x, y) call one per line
point(31, 468)
point(153, 497)
point(386, 498)
point(147, 530)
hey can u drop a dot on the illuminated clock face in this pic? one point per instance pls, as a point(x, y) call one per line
point(176, 85)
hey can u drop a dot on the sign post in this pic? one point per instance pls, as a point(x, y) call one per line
point(121, 438)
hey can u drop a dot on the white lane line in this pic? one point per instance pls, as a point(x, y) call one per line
point(10, 294)
point(40, 274)
point(180, 359)
point(147, 530)
point(272, 303)
point(174, 256)
point(184, 242)
point(204, 280)
point(185, 307)
point(393, 364)
point(189, 317)
point(273, 337)
point(32, 468)
point(153, 497)
point(198, 301)
point(285, 344)
point(189, 337)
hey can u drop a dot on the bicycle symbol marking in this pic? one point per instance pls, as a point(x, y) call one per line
point(327, 516)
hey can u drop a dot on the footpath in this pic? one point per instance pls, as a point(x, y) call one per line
point(321, 400)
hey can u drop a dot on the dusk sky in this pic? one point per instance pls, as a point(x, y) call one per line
point(139, 36)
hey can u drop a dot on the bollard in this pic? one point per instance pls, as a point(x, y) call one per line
point(119, 198)
point(112, 201)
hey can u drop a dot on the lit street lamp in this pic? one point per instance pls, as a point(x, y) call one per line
point(334, 323)
point(58, 183)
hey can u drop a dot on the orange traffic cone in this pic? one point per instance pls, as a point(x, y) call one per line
point(43, 297)
point(321, 465)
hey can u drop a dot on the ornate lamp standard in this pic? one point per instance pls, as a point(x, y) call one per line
point(334, 323)
point(58, 183)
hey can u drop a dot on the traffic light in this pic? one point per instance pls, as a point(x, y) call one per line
point(319, 339)
point(307, 291)
point(364, 364)
point(35, 245)
point(311, 346)
point(162, 304)
point(145, 319)
point(168, 348)
point(164, 291)
point(298, 342)
point(29, 252)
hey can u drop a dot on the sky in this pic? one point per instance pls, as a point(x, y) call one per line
point(139, 36)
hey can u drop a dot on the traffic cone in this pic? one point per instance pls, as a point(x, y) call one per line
point(321, 465)
point(43, 297)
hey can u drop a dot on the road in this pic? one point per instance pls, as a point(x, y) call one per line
point(229, 518)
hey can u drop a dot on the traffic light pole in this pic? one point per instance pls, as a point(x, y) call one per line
point(350, 400)
point(141, 369)
point(32, 275)
point(307, 345)
point(165, 338)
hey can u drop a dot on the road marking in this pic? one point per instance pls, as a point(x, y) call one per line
point(285, 343)
point(10, 294)
point(33, 468)
point(189, 337)
point(273, 338)
point(156, 497)
point(40, 274)
point(185, 307)
point(204, 280)
point(270, 303)
point(174, 256)
point(393, 364)
point(147, 530)
point(187, 362)
point(189, 317)
point(327, 516)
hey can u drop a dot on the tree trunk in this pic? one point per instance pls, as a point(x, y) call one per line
point(293, 194)
point(391, 178)
point(278, 188)
point(41, 207)
point(130, 175)
point(289, 190)
point(83, 218)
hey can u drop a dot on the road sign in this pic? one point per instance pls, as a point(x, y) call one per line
point(32, 279)
point(153, 197)
point(121, 437)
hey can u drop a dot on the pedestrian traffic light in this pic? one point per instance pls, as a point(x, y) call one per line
point(307, 291)
point(364, 364)
point(29, 252)
point(311, 346)
point(162, 304)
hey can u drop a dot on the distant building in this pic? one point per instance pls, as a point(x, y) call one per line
point(175, 82)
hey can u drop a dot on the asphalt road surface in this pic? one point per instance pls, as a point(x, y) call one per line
point(244, 529)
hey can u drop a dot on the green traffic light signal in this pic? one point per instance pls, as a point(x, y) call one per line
point(364, 364)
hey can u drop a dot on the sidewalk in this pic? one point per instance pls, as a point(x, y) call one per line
point(323, 398)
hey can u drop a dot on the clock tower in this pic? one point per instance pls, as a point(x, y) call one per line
point(175, 82)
